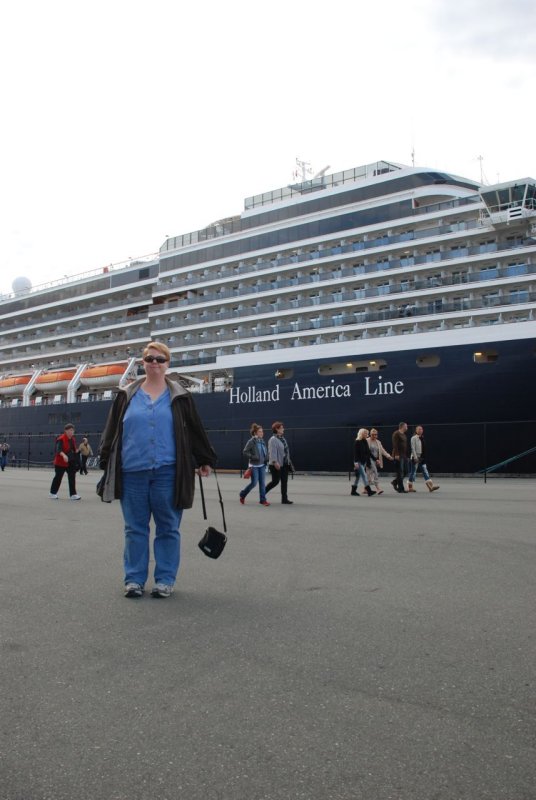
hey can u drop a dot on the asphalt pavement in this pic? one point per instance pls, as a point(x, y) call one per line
point(342, 648)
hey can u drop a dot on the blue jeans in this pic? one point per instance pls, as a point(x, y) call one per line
point(145, 493)
point(258, 475)
point(413, 471)
point(359, 472)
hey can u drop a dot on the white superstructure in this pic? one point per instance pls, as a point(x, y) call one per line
point(317, 268)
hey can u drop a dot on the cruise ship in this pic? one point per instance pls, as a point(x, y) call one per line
point(354, 299)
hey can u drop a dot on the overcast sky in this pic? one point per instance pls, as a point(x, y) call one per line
point(124, 122)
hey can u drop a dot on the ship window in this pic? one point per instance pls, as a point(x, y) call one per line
point(432, 360)
point(485, 357)
point(347, 367)
point(284, 374)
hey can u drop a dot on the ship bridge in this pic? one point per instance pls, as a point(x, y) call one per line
point(514, 201)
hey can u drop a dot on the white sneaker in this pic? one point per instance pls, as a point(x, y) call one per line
point(75, 497)
point(53, 496)
point(162, 590)
point(133, 590)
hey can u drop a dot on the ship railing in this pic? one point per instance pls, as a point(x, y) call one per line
point(486, 470)
point(409, 286)
point(78, 326)
point(83, 276)
point(321, 252)
point(237, 224)
point(431, 307)
point(387, 263)
point(329, 277)
point(434, 309)
point(529, 203)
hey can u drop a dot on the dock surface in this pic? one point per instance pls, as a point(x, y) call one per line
point(342, 648)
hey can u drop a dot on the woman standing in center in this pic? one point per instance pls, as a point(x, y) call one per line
point(257, 456)
point(361, 462)
point(152, 445)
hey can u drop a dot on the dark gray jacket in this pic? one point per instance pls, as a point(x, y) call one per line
point(251, 451)
point(193, 447)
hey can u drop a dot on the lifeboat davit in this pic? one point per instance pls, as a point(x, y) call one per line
point(104, 375)
point(13, 386)
point(50, 382)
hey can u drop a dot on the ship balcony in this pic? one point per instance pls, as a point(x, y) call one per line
point(433, 311)
point(74, 332)
point(62, 354)
point(81, 319)
point(422, 284)
point(323, 252)
point(374, 329)
point(346, 273)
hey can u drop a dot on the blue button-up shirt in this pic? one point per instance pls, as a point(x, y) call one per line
point(148, 435)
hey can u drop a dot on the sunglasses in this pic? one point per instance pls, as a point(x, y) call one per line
point(158, 359)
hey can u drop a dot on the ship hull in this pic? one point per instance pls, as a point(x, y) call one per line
point(475, 415)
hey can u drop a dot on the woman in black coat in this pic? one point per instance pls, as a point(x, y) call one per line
point(361, 462)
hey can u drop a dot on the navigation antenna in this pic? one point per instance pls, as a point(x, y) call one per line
point(483, 179)
point(304, 169)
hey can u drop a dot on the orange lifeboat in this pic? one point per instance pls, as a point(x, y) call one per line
point(104, 375)
point(50, 382)
point(13, 386)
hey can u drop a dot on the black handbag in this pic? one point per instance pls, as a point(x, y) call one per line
point(213, 541)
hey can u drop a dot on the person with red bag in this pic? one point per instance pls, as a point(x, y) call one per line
point(66, 460)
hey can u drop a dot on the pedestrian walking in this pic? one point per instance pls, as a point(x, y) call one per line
point(150, 449)
point(361, 463)
point(400, 456)
point(377, 452)
point(279, 461)
point(418, 461)
point(257, 455)
point(85, 452)
point(4, 451)
point(66, 460)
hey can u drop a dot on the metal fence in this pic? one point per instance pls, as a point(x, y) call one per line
point(451, 448)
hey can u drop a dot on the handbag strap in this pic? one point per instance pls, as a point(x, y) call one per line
point(219, 494)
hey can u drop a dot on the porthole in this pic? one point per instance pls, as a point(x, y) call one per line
point(284, 374)
point(432, 360)
point(485, 357)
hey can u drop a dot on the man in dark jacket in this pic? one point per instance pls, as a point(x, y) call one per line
point(400, 455)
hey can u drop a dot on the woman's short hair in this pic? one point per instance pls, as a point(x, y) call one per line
point(373, 430)
point(254, 428)
point(160, 347)
point(276, 426)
